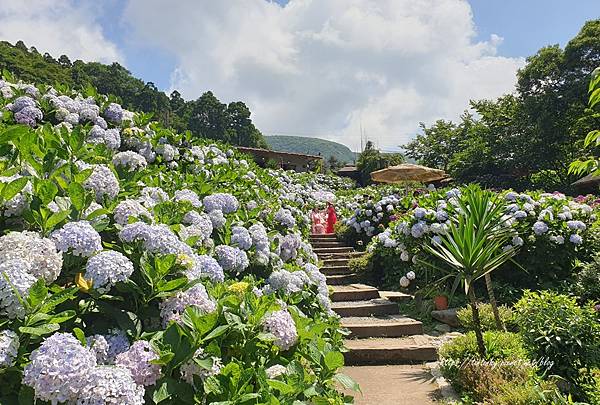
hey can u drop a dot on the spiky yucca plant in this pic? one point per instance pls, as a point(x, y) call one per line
point(477, 242)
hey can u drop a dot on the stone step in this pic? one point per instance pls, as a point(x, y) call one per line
point(339, 255)
point(330, 250)
point(406, 350)
point(353, 292)
point(396, 296)
point(317, 245)
point(376, 306)
point(322, 236)
point(341, 279)
point(382, 326)
point(335, 270)
point(336, 262)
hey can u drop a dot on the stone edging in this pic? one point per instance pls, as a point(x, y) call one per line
point(447, 392)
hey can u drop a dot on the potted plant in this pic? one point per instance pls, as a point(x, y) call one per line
point(440, 300)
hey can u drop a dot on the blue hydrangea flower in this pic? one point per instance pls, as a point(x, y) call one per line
point(540, 228)
point(223, 202)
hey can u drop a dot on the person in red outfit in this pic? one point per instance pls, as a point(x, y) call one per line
point(331, 218)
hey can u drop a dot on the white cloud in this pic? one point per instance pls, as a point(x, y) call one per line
point(57, 27)
point(324, 67)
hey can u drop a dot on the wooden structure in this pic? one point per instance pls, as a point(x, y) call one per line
point(298, 162)
point(349, 171)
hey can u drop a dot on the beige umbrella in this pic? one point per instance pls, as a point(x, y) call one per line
point(408, 172)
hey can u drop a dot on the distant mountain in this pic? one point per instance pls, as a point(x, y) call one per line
point(311, 146)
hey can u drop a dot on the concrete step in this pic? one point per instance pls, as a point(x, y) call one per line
point(330, 250)
point(341, 279)
point(335, 270)
point(406, 350)
point(376, 306)
point(382, 326)
point(354, 292)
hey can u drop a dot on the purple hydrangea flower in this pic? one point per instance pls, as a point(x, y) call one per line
point(138, 361)
point(281, 325)
point(29, 116)
point(18, 273)
point(155, 238)
point(241, 238)
point(231, 258)
point(576, 239)
point(172, 308)
point(107, 347)
point(188, 195)
point(190, 368)
point(114, 113)
point(46, 261)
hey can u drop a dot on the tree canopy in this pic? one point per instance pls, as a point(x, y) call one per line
point(205, 117)
point(526, 139)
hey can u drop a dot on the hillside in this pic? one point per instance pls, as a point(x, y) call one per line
point(311, 146)
point(205, 117)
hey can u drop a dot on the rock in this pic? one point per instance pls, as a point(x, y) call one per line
point(443, 328)
point(447, 316)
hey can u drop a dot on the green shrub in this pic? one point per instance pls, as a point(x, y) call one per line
point(349, 236)
point(498, 346)
point(486, 316)
point(530, 393)
point(361, 264)
point(556, 329)
point(587, 281)
point(457, 354)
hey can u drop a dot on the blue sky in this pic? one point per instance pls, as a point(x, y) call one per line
point(321, 68)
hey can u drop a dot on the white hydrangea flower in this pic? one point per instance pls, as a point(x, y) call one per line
point(107, 268)
point(78, 238)
point(46, 262)
point(129, 160)
point(9, 348)
point(17, 271)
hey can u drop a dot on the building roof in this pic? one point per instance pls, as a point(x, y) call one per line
point(276, 154)
point(348, 169)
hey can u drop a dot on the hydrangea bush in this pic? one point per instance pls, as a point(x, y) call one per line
point(551, 230)
point(141, 266)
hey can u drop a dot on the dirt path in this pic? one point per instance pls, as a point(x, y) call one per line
point(393, 385)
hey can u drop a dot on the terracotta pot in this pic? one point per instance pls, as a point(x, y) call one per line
point(440, 302)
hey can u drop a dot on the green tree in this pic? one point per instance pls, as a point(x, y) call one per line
point(372, 159)
point(436, 145)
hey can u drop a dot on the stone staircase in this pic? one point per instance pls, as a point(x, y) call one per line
point(378, 333)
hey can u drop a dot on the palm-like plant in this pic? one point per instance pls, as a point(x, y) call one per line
point(477, 242)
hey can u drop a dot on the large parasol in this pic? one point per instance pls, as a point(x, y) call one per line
point(408, 172)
